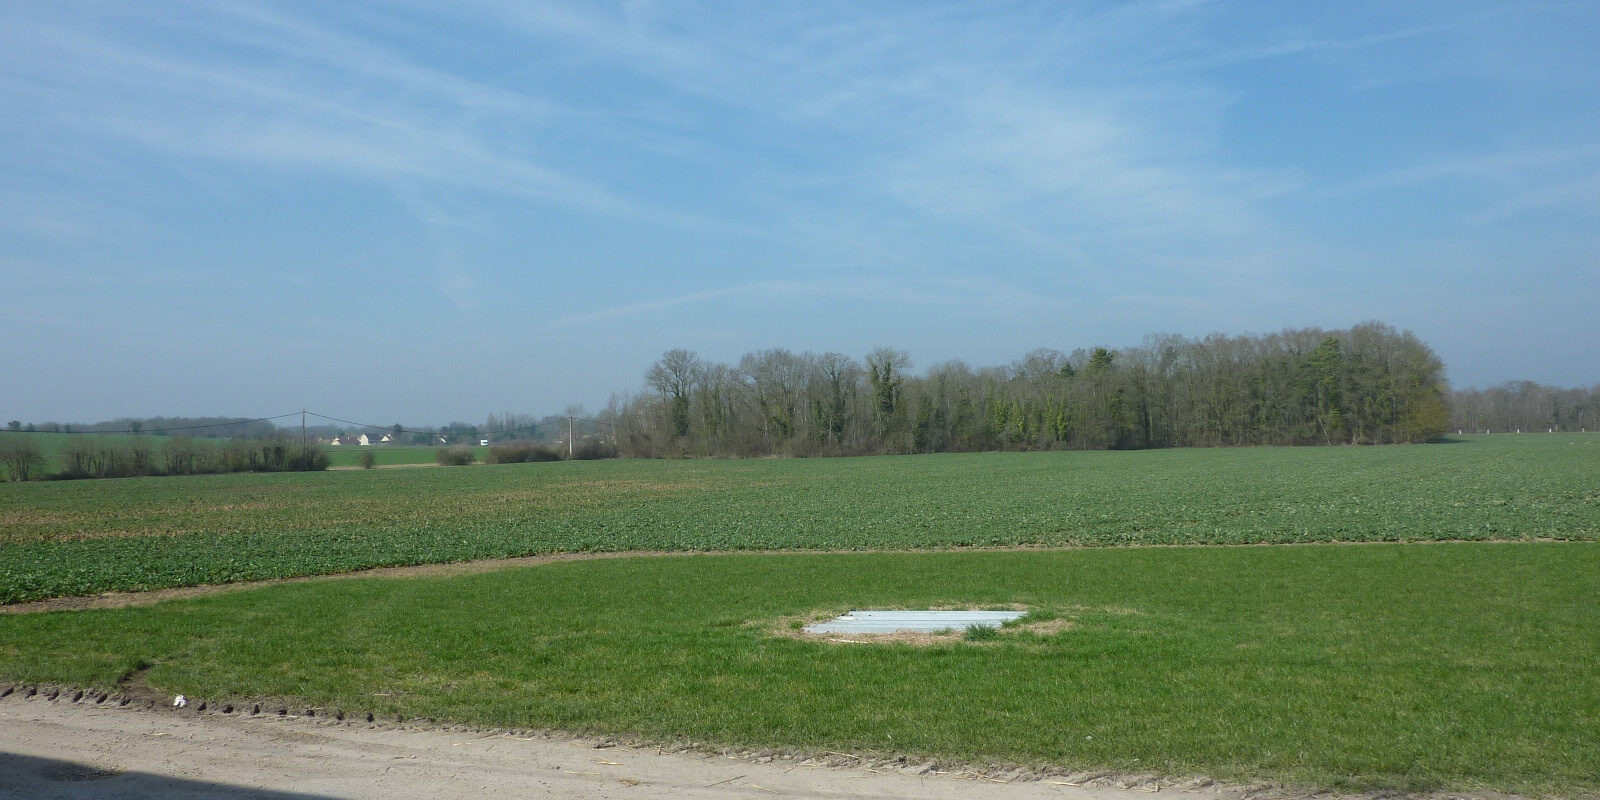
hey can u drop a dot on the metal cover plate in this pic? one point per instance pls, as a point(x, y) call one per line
point(911, 621)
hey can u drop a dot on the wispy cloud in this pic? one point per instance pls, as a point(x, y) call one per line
point(1573, 195)
point(1492, 166)
point(769, 289)
point(994, 295)
point(346, 108)
point(1501, 185)
point(947, 115)
point(1299, 46)
point(934, 112)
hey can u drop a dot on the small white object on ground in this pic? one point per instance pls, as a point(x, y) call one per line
point(180, 701)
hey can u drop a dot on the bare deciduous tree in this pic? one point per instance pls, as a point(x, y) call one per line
point(21, 457)
point(1366, 385)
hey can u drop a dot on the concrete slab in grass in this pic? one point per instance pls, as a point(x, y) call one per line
point(885, 621)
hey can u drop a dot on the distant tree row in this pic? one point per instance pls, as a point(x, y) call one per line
point(22, 459)
point(550, 429)
point(200, 427)
point(1367, 385)
point(1526, 406)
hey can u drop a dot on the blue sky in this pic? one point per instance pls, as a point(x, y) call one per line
point(419, 212)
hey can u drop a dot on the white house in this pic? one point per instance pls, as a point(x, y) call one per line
point(361, 439)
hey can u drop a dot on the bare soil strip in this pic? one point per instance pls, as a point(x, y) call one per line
point(128, 599)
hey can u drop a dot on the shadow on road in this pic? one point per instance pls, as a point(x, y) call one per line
point(33, 777)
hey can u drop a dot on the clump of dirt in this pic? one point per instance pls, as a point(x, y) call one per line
point(1045, 627)
point(133, 686)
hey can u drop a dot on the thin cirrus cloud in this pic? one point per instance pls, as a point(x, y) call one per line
point(305, 118)
point(963, 141)
point(942, 133)
point(1526, 179)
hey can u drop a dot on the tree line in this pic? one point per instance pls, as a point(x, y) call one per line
point(92, 456)
point(1525, 406)
point(201, 427)
point(1369, 384)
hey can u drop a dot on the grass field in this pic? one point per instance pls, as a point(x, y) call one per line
point(82, 537)
point(1414, 667)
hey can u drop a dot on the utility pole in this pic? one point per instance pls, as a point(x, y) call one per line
point(569, 437)
point(303, 465)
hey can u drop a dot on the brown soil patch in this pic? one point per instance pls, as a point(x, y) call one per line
point(126, 599)
point(635, 486)
point(36, 516)
point(1047, 627)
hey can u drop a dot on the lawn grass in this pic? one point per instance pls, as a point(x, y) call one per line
point(83, 537)
point(1413, 667)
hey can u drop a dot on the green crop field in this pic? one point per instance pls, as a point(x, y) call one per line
point(1417, 667)
point(82, 537)
point(1466, 665)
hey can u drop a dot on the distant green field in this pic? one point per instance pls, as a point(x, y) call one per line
point(389, 455)
point(82, 537)
point(1459, 667)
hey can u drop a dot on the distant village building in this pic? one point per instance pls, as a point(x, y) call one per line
point(361, 439)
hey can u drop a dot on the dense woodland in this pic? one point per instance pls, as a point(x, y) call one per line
point(1367, 385)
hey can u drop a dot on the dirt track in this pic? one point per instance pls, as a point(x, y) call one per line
point(126, 599)
point(60, 749)
point(151, 597)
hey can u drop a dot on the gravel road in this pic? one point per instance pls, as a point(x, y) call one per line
point(59, 749)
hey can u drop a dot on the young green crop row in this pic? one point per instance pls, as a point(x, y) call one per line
point(67, 538)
